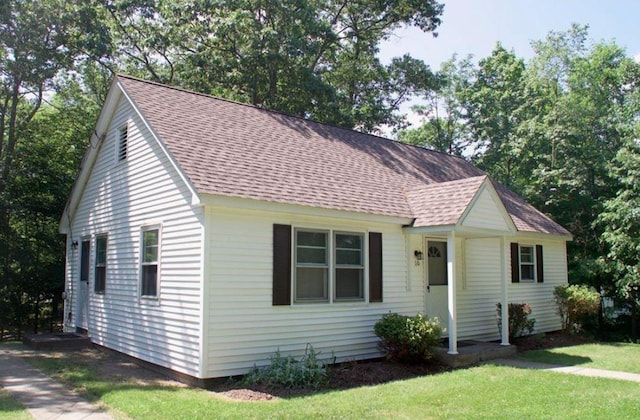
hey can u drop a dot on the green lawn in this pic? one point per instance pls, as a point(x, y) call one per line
point(485, 391)
point(611, 356)
point(10, 409)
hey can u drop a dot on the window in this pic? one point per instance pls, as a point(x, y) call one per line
point(123, 137)
point(349, 274)
point(326, 266)
point(85, 254)
point(312, 266)
point(100, 265)
point(526, 263)
point(149, 262)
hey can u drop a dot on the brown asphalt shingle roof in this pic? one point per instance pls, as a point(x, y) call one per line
point(237, 150)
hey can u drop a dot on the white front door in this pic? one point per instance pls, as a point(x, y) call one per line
point(83, 285)
point(437, 280)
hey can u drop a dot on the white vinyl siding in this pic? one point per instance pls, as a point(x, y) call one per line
point(540, 295)
point(479, 292)
point(486, 214)
point(121, 199)
point(244, 328)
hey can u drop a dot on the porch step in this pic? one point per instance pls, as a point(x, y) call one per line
point(56, 341)
point(474, 352)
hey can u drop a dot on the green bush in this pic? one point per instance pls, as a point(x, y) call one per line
point(577, 306)
point(408, 339)
point(289, 372)
point(519, 322)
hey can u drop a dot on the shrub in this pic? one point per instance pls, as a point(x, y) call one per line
point(289, 372)
point(577, 305)
point(408, 339)
point(519, 322)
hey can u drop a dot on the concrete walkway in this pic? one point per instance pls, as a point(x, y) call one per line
point(43, 397)
point(573, 370)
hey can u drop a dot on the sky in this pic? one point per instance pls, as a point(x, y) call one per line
point(474, 27)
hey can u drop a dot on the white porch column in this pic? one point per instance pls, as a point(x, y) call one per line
point(504, 282)
point(451, 292)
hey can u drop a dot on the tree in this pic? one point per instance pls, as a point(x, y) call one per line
point(443, 128)
point(311, 58)
point(620, 221)
point(38, 41)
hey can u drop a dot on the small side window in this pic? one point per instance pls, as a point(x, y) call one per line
point(527, 263)
point(123, 139)
point(149, 258)
point(100, 280)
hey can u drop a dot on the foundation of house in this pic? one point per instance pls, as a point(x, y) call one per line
point(56, 341)
point(474, 352)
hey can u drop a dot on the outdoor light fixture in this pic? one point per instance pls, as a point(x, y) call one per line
point(74, 244)
point(418, 254)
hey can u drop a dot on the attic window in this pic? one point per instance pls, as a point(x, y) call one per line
point(123, 137)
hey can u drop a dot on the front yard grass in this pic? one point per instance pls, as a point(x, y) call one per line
point(10, 408)
point(480, 392)
point(623, 357)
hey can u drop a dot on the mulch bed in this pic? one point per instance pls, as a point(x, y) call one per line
point(342, 376)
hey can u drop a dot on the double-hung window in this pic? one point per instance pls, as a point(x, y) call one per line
point(149, 262)
point(311, 266)
point(328, 266)
point(349, 266)
point(323, 265)
point(100, 278)
point(527, 263)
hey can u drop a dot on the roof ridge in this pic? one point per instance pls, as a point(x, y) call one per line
point(309, 120)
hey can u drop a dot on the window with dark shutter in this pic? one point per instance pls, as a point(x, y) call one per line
point(375, 267)
point(527, 263)
point(281, 264)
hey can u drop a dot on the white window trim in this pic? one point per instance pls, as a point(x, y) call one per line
point(533, 264)
point(148, 298)
point(331, 266)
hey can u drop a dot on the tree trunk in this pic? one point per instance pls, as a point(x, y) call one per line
point(634, 323)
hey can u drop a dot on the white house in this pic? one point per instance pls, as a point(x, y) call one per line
point(203, 235)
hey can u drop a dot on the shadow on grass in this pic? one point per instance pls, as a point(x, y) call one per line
point(95, 373)
point(8, 404)
point(555, 358)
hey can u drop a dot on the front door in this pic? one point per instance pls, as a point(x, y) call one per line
point(83, 285)
point(437, 280)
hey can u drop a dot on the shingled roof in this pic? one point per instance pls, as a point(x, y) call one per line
point(237, 150)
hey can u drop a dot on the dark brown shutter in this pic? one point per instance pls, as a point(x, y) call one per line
point(515, 263)
point(375, 267)
point(85, 254)
point(539, 264)
point(281, 264)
